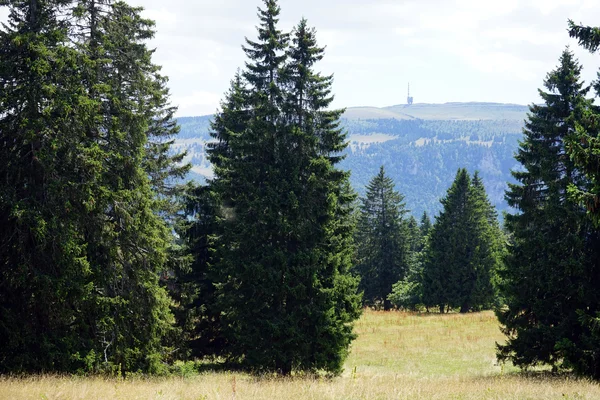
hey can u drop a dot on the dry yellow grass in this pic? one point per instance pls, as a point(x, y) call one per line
point(396, 356)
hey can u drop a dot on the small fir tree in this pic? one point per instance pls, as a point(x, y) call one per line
point(383, 240)
point(461, 252)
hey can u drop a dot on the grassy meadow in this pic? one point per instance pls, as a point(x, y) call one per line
point(396, 356)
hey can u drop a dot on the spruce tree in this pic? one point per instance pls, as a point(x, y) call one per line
point(284, 245)
point(128, 241)
point(491, 247)
point(551, 276)
point(583, 143)
point(323, 222)
point(446, 239)
point(47, 170)
point(583, 146)
point(198, 314)
point(414, 235)
point(84, 116)
point(383, 240)
point(461, 251)
point(425, 225)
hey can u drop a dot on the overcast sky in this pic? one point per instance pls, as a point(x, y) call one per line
point(449, 50)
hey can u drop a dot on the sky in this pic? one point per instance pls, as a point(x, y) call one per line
point(449, 50)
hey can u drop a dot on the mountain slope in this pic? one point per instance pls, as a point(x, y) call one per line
point(448, 111)
point(421, 146)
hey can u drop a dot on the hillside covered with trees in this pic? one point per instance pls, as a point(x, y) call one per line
point(421, 155)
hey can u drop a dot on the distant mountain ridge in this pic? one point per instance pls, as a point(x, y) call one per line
point(447, 111)
point(421, 146)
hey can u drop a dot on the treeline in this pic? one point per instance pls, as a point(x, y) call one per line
point(86, 193)
point(423, 156)
point(422, 173)
point(413, 129)
point(450, 264)
point(542, 273)
point(106, 264)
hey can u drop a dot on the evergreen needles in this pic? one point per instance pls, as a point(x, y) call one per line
point(283, 244)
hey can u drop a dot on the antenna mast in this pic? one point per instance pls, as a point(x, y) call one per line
point(409, 99)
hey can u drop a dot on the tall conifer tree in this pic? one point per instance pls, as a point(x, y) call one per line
point(425, 225)
point(551, 277)
point(129, 242)
point(383, 240)
point(283, 250)
point(207, 207)
point(46, 172)
point(84, 118)
point(583, 144)
point(491, 246)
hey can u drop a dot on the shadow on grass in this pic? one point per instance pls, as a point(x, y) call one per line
point(538, 376)
point(431, 313)
point(206, 367)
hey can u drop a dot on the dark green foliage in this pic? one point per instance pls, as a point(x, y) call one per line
point(425, 226)
point(384, 240)
point(45, 278)
point(198, 315)
point(414, 235)
point(83, 111)
point(552, 274)
point(443, 262)
point(408, 292)
point(461, 254)
point(491, 247)
point(588, 36)
point(583, 143)
point(127, 241)
point(284, 248)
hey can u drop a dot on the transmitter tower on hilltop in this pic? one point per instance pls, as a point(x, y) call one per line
point(409, 99)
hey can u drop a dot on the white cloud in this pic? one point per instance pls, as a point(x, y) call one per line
point(405, 31)
point(161, 16)
point(523, 34)
point(450, 50)
point(547, 6)
point(197, 103)
point(480, 8)
point(501, 63)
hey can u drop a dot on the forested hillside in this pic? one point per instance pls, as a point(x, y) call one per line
point(421, 147)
